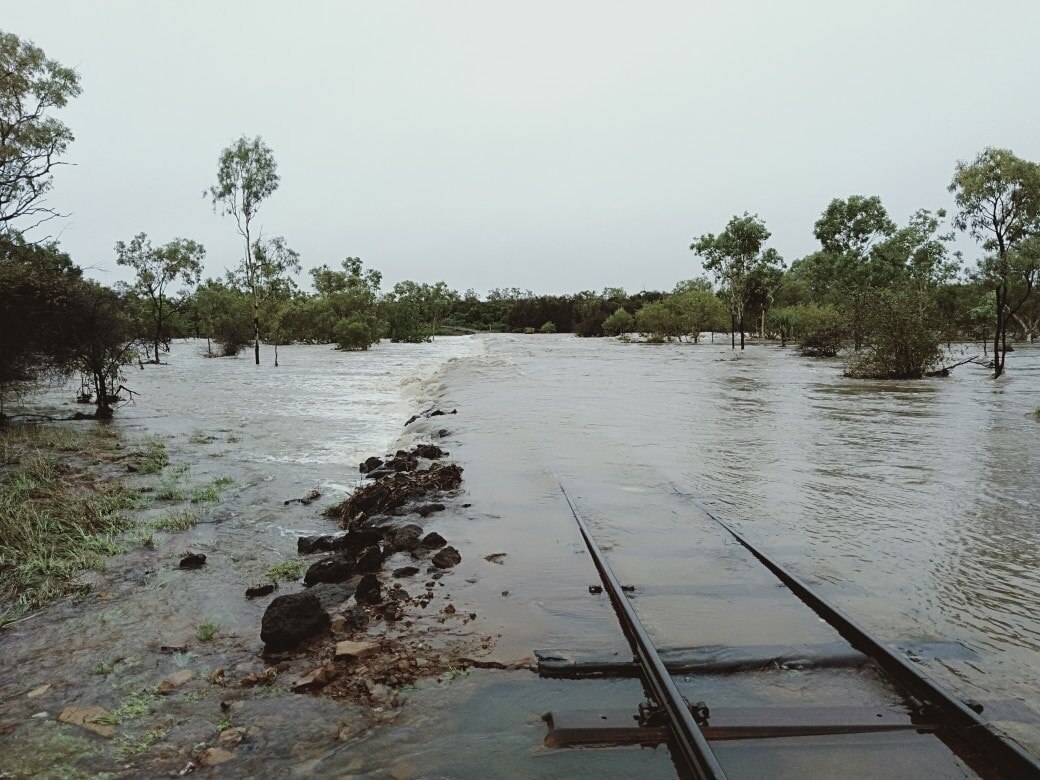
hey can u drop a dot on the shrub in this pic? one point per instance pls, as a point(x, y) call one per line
point(901, 342)
point(354, 335)
point(548, 327)
point(821, 330)
point(621, 321)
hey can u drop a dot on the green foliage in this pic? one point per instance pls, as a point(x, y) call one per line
point(38, 283)
point(177, 521)
point(998, 201)
point(740, 262)
point(821, 330)
point(548, 327)
point(156, 270)
point(103, 340)
point(155, 457)
point(33, 141)
point(246, 176)
point(356, 334)
point(210, 494)
point(902, 342)
point(529, 330)
point(57, 519)
point(621, 321)
point(206, 630)
point(222, 313)
point(658, 321)
point(288, 570)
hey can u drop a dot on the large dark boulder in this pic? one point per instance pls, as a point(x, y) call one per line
point(291, 619)
point(446, 558)
point(335, 568)
point(370, 559)
point(369, 590)
point(332, 594)
point(404, 539)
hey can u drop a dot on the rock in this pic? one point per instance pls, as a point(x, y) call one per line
point(193, 561)
point(406, 571)
point(266, 677)
point(92, 718)
point(306, 545)
point(356, 650)
point(336, 568)
point(433, 540)
point(213, 756)
point(369, 560)
point(257, 591)
point(174, 681)
point(446, 558)
point(315, 679)
point(332, 594)
point(36, 693)
point(358, 540)
point(291, 619)
point(405, 538)
point(338, 624)
point(356, 618)
point(230, 738)
point(369, 590)
point(443, 432)
point(495, 558)
point(370, 464)
point(428, 509)
point(429, 451)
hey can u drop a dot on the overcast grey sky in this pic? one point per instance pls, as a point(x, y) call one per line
point(554, 146)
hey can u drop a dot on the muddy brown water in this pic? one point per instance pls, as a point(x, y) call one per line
point(911, 505)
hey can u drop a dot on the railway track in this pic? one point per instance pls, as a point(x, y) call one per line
point(946, 724)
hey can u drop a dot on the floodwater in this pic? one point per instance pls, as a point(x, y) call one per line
point(911, 505)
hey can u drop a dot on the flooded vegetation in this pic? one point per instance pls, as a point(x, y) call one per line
point(265, 514)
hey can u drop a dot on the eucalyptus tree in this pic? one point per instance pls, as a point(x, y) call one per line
point(736, 256)
point(849, 231)
point(998, 200)
point(32, 141)
point(246, 175)
point(156, 270)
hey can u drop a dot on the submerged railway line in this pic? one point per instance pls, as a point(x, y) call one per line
point(942, 734)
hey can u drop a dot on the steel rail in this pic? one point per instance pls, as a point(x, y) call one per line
point(692, 745)
point(1003, 753)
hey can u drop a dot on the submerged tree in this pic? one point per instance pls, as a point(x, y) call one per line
point(736, 256)
point(998, 197)
point(37, 283)
point(102, 341)
point(31, 141)
point(246, 175)
point(156, 270)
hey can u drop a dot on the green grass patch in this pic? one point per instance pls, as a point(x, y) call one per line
point(177, 521)
point(210, 493)
point(155, 457)
point(206, 630)
point(127, 747)
point(286, 570)
point(58, 517)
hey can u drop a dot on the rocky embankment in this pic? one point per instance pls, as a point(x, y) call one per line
point(374, 613)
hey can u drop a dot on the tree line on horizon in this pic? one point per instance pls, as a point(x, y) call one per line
point(889, 293)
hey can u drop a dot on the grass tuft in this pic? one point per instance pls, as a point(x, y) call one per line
point(286, 570)
point(210, 494)
point(206, 630)
point(177, 521)
point(155, 457)
point(57, 516)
